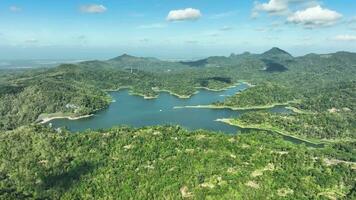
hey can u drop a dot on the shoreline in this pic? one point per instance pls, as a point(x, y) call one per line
point(48, 119)
point(175, 94)
point(296, 110)
point(247, 83)
point(228, 87)
point(142, 95)
point(211, 106)
point(62, 116)
point(118, 89)
point(225, 88)
point(262, 107)
point(229, 121)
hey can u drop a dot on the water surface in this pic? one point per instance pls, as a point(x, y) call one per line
point(138, 112)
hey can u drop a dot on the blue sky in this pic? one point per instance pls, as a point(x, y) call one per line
point(98, 29)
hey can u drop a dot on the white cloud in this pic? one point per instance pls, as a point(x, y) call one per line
point(280, 7)
point(315, 17)
point(346, 38)
point(15, 9)
point(93, 8)
point(184, 14)
point(151, 26)
point(273, 6)
point(310, 15)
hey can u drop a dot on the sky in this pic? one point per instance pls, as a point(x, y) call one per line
point(173, 29)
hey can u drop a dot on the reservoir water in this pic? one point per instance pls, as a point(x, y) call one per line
point(138, 112)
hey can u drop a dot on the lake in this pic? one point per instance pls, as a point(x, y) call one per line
point(138, 112)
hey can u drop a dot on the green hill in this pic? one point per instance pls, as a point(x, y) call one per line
point(166, 162)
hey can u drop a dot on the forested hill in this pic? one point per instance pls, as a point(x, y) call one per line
point(38, 162)
point(275, 55)
point(26, 95)
point(129, 62)
point(168, 163)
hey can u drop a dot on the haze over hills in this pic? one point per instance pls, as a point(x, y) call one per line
point(274, 59)
point(34, 63)
point(127, 61)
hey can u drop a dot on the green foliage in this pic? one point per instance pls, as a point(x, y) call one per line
point(345, 150)
point(322, 125)
point(325, 113)
point(169, 162)
point(163, 162)
point(336, 97)
point(260, 95)
point(48, 96)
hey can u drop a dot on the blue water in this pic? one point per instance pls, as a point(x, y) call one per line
point(138, 112)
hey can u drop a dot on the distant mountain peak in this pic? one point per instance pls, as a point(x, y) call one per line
point(129, 58)
point(275, 51)
point(123, 57)
point(276, 54)
point(126, 55)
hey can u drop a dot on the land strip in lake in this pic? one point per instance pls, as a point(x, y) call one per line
point(233, 122)
point(45, 118)
point(234, 108)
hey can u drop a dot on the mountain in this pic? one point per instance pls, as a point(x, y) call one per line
point(212, 61)
point(39, 162)
point(275, 58)
point(276, 50)
point(197, 63)
point(130, 58)
point(150, 64)
point(278, 53)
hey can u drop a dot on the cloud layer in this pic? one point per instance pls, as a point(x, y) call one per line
point(314, 17)
point(273, 6)
point(346, 38)
point(93, 8)
point(184, 14)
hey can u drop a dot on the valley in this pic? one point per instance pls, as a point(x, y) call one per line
point(147, 122)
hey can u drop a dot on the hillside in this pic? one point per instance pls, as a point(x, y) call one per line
point(167, 162)
point(84, 84)
point(129, 62)
point(38, 162)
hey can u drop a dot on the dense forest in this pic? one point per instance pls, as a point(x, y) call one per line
point(168, 162)
point(83, 85)
point(324, 113)
point(23, 104)
point(272, 94)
